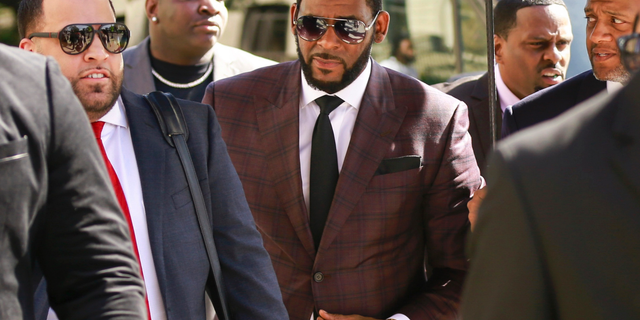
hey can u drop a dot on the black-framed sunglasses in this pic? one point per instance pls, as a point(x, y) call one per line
point(629, 46)
point(351, 31)
point(76, 38)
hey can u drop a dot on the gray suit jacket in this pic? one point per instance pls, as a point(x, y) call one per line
point(57, 208)
point(474, 92)
point(558, 235)
point(176, 243)
point(227, 62)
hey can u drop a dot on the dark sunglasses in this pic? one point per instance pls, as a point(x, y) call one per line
point(351, 31)
point(76, 38)
point(629, 46)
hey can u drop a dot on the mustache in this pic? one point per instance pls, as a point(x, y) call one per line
point(326, 56)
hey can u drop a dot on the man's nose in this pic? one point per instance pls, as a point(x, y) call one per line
point(96, 50)
point(329, 39)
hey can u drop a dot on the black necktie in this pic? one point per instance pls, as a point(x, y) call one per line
point(324, 167)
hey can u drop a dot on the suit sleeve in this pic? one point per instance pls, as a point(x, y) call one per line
point(509, 125)
point(251, 286)
point(446, 223)
point(506, 279)
point(84, 247)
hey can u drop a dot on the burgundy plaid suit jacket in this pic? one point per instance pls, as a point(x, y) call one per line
point(380, 228)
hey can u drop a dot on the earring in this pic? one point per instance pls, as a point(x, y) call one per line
point(154, 19)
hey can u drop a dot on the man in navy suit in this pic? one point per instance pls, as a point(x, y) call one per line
point(147, 173)
point(607, 20)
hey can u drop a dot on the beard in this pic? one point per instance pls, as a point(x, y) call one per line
point(350, 74)
point(98, 99)
point(618, 74)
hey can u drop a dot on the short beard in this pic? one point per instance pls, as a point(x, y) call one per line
point(350, 74)
point(96, 108)
point(619, 74)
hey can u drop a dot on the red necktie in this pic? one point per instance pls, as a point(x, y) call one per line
point(122, 200)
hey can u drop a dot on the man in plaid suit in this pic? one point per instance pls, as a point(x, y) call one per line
point(405, 162)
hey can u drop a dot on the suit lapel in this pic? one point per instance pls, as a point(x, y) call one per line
point(149, 147)
point(377, 124)
point(590, 87)
point(626, 133)
point(278, 121)
point(138, 77)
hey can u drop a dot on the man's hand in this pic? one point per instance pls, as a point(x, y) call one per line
point(474, 205)
point(327, 316)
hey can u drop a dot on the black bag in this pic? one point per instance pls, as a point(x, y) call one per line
point(175, 131)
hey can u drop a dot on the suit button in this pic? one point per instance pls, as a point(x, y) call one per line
point(318, 277)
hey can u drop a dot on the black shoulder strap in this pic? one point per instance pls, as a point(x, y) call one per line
point(175, 131)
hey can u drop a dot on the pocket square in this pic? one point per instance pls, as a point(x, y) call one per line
point(398, 164)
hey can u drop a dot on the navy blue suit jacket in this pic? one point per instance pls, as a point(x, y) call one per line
point(178, 251)
point(551, 102)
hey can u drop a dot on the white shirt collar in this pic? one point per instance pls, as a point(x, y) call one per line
point(116, 116)
point(507, 98)
point(352, 94)
point(613, 86)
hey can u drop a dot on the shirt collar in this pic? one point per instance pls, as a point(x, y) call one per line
point(351, 94)
point(507, 98)
point(116, 116)
point(613, 86)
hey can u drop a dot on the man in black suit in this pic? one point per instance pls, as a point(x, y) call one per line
point(607, 20)
point(56, 206)
point(558, 234)
point(147, 174)
point(532, 52)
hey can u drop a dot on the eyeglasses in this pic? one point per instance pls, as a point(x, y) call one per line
point(351, 31)
point(629, 46)
point(76, 38)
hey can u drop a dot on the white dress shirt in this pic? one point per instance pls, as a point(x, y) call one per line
point(116, 138)
point(507, 98)
point(343, 119)
point(613, 86)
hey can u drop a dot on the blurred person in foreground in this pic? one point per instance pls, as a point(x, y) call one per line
point(402, 57)
point(558, 234)
point(146, 172)
point(532, 52)
point(607, 20)
point(356, 174)
point(57, 209)
point(182, 54)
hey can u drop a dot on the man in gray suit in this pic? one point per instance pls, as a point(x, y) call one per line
point(56, 206)
point(147, 174)
point(182, 53)
point(558, 234)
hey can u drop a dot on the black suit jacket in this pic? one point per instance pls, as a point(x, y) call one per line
point(558, 235)
point(57, 208)
point(549, 103)
point(474, 92)
point(176, 242)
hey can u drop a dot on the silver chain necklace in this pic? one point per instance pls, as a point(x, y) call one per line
point(184, 85)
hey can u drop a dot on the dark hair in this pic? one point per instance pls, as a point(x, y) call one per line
point(375, 5)
point(30, 12)
point(395, 44)
point(505, 13)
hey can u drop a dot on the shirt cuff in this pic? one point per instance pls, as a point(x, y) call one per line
point(399, 316)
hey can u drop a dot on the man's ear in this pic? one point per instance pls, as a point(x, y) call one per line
point(498, 45)
point(27, 44)
point(151, 6)
point(293, 18)
point(382, 26)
